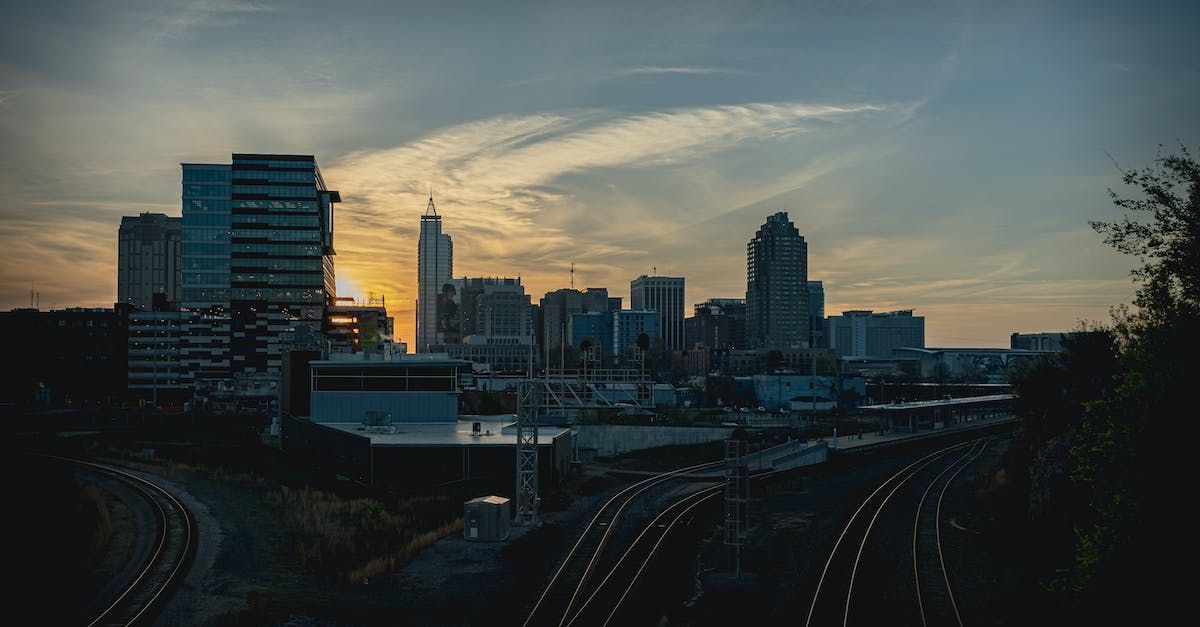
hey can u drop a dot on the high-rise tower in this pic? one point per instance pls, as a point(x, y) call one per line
point(777, 312)
point(663, 294)
point(257, 248)
point(148, 256)
point(435, 266)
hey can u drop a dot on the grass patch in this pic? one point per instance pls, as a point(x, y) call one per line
point(350, 540)
point(94, 509)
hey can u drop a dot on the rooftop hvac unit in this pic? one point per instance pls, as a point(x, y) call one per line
point(376, 421)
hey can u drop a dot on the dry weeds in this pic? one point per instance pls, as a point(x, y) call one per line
point(355, 539)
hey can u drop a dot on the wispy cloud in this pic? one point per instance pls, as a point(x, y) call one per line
point(209, 13)
point(498, 182)
point(645, 70)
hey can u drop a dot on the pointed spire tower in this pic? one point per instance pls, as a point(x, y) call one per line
point(435, 266)
point(430, 209)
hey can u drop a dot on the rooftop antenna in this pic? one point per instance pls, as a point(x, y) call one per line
point(572, 275)
point(654, 270)
point(430, 209)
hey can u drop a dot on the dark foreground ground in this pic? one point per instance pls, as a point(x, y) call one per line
point(251, 569)
point(795, 522)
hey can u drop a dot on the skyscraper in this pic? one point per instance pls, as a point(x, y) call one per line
point(258, 248)
point(777, 285)
point(435, 266)
point(663, 294)
point(148, 258)
point(816, 312)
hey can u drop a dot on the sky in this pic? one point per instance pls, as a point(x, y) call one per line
point(938, 156)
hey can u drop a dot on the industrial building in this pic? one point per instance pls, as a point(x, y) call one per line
point(1039, 341)
point(990, 365)
point(395, 422)
point(899, 416)
point(865, 333)
point(65, 356)
point(779, 391)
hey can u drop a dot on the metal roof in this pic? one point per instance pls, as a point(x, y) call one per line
point(491, 500)
point(448, 434)
point(966, 400)
point(407, 361)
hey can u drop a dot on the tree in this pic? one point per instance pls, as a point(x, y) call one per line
point(1168, 246)
point(1121, 434)
point(773, 359)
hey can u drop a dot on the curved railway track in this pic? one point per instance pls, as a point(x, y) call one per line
point(861, 561)
point(604, 605)
point(138, 600)
point(937, 590)
point(591, 585)
point(568, 586)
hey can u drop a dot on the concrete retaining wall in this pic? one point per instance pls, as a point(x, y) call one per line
point(814, 454)
point(612, 440)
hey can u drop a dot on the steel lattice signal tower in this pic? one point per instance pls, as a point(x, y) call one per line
point(530, 405)
point(565, 392)
point(737, 497)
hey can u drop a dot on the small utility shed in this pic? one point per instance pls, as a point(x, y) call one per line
point(485, 519)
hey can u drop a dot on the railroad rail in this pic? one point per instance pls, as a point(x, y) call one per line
point(569, 582)
point(174, 544)
point(605, 603)
point(834, 595)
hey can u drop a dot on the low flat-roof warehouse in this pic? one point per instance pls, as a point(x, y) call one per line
point(396, 423)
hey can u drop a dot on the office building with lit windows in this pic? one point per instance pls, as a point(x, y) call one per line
point(257, 256)
point(664, 294)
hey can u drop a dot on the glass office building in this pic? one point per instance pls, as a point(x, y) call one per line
point(258, 250)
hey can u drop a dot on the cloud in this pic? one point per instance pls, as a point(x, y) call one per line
point(210, 13)
point(650, 70)
point(500, 185)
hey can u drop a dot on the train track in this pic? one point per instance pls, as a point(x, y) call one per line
point(934, 592)
point(569, 585)
point(604, 605)
point(591, 585)
point(930, 597)
point(174, 545)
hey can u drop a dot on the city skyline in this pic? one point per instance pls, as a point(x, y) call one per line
point(937, 167)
